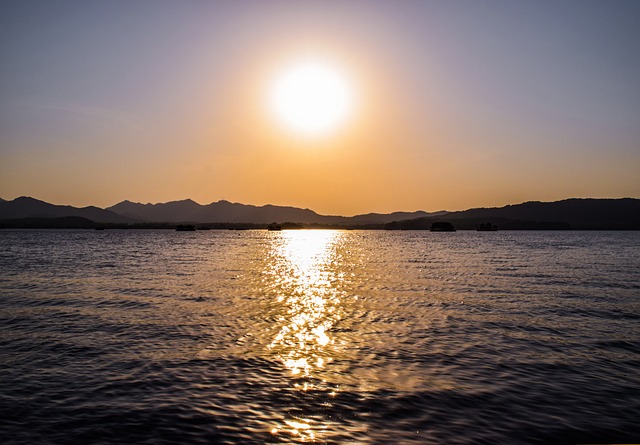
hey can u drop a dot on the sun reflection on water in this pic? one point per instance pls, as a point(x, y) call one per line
point(309, 305)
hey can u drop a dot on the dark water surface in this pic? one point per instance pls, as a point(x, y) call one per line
point(319, 336)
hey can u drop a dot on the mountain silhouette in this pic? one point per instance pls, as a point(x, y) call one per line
point(219, 212)
point(574, 213)
point(25, 207)
point(227, 212)
point(579, 213)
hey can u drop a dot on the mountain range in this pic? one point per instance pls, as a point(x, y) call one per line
point(227, 212)
point(189, 211)
point(623, 213)
point(579, 214)
point(25, 207)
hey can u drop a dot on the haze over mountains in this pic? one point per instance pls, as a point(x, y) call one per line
point(623, 213)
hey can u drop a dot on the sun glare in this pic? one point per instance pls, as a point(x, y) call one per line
point(311, 98)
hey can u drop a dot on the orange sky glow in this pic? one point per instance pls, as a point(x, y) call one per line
point(451, 109)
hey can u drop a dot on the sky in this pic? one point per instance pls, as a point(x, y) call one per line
point(455, 104)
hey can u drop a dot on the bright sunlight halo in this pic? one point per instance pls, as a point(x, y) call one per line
point(311, 98)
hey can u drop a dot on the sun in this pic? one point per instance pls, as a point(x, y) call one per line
point(311, 98)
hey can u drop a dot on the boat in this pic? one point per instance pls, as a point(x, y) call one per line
point(185, 228)
point(487, 227)
point(442, 227)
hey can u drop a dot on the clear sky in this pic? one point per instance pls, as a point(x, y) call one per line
point(455, 104)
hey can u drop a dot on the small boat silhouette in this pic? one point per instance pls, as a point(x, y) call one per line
point(488, 227)
point(185, 228)
point(442, 227)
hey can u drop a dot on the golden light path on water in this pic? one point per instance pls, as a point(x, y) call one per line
point(300, 272)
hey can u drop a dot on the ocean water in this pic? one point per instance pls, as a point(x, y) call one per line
point(319, 336)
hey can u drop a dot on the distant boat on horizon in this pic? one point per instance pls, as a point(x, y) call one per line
point(185, 228)
point(442, 227)
point(488, 227)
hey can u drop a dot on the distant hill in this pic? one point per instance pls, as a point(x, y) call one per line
point(227, 212)
point(580, 214)
point(378, 218)
point(221, 212)
point(25, 207)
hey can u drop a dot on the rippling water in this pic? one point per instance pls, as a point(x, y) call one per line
point(319, 336)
